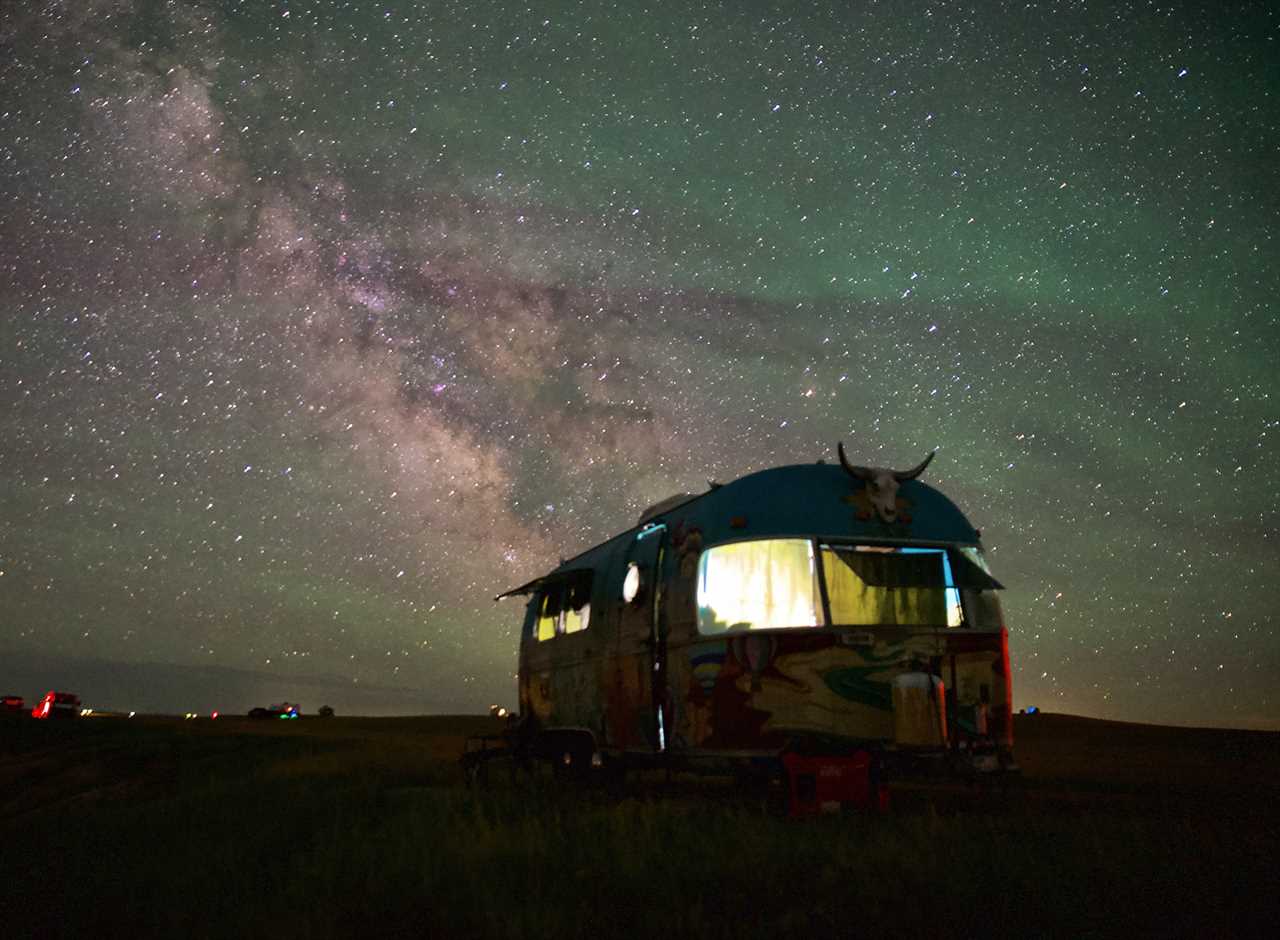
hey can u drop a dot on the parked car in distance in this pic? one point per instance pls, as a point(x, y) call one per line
point(57, 705)
point(13, 705)
point(285, 710)
point(281, 710)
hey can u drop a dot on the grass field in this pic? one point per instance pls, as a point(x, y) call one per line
point(350, 827)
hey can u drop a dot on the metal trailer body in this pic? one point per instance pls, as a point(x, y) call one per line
point(786, 613)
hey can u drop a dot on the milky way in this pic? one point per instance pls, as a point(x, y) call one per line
point(324, 323)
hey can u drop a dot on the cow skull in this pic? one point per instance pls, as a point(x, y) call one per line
point(881, 484)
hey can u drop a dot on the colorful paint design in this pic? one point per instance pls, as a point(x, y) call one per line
point(868, 682)
point(755, 691)
point(755, 653)
point(832, 691)
point(705, 662)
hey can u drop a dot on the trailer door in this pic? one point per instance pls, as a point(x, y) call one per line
point(641, 641)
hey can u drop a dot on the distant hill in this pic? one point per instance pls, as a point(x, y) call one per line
point(169, 689)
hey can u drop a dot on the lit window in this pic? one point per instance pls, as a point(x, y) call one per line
point(565, 607)
point(869, 585)
point(758, 585)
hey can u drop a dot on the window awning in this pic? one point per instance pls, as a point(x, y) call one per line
point(915, 569)
point(966, 574)
point(579, 578)
point(522, 589)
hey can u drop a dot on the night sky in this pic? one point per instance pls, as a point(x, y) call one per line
point(323, 323)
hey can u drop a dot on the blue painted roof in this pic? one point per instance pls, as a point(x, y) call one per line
point(817, 499)
point(801, 499)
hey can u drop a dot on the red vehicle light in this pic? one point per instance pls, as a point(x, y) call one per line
point(65, 703)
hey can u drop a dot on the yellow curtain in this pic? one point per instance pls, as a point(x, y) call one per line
point(758, 585)
point(854, 601)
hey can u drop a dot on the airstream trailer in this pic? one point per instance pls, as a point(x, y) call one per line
point(827, 617)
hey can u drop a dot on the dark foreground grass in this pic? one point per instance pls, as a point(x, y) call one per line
point(340, 832)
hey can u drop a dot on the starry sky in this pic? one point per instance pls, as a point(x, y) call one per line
point(324, 322)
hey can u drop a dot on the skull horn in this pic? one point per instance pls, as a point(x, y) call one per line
point(858, 473)
point(915, 471)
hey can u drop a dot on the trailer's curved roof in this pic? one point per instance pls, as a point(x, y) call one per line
point(799, 499)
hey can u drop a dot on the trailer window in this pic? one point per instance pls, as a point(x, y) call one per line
point(760, 585)
point(871, 585)
point(564, 607)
